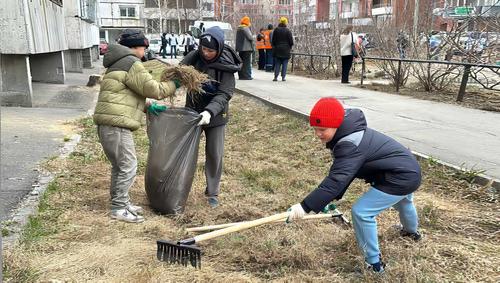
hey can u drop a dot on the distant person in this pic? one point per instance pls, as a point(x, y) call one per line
point(173, 41)
point(188, 43)
point(245, 47)
point(347, 37)
point(163, 48)
point(282, 42)
point(269, 48)
point(260, 45)
point(202, 28)
point(119, 111)
point(359, 152)
point(219, 61)
point(402, 43)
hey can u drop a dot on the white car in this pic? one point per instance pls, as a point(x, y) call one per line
point(155, 45)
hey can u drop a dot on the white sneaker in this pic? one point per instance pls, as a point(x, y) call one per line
point(135, 209)
point(127, 216)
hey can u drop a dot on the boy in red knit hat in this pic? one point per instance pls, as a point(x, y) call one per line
point(361, 152)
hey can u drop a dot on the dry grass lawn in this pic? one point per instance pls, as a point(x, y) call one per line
point(272, 161)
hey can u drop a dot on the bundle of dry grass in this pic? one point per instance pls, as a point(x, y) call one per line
point(189, 77)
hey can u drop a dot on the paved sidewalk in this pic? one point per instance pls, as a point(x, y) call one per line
point(457, 135)
point(31, 135)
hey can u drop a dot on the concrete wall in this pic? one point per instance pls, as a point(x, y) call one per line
point(73, 61)
point(48, 67)
point(81, 26)
point(15, 87)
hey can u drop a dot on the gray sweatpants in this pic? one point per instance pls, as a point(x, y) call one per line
point(214, 152)
point(118, 145)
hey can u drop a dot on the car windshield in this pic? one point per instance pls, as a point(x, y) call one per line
point(155, 41)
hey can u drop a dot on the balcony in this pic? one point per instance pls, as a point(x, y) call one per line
point(381, 9)
point(348, 15)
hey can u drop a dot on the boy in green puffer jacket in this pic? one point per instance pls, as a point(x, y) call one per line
point(120, 110)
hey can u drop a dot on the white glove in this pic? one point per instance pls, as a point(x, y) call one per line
point(205, 118)
point(295, 212)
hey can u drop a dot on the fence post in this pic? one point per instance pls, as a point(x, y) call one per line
point(293, 55)
point(312, 67)
point(362, 69)
point(398, 77)
point(465, 78)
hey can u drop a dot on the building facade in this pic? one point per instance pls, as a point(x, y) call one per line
point(117, 15)
point(175, 16)
point(82, 34)
point(42, 40)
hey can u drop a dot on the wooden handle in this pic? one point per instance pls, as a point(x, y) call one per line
point(239, 227)
point(220, 226)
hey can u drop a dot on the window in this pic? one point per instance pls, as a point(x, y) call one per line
point(247, 1)
point(208, 6)
point(127, 12)
point(151, 3)
point(57, 2)
point(283, 2)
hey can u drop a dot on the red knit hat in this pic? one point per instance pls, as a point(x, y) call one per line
point(328, 112)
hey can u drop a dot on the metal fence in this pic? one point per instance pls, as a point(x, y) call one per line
point(465, 75)
point(311, 65)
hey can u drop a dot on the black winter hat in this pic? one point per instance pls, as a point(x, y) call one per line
point(133, 38)
point(208, 41)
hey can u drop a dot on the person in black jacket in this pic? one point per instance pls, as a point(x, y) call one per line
point(220, 62)
point(163, 48)
point(282, 42)
point(360, 152)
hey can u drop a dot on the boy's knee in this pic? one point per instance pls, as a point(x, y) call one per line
point(357, 211)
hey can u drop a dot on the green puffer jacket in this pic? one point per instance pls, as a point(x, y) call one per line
point(124, 89)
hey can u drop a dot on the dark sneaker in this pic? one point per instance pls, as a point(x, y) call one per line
point(414, 236)
point(378, 267)
point(213, 202)
point(275, 80)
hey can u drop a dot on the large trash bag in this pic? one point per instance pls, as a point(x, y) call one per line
point(173, 152)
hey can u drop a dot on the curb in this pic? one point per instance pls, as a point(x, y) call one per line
point(29, 205)
point(480, 179)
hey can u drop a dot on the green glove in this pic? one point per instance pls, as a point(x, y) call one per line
point(177, 83)
point(155, 109)
point(329, 208)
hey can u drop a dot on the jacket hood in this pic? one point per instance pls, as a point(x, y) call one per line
point(354, 121)
point(115, 53)
point(227, 59)
point(218, 35)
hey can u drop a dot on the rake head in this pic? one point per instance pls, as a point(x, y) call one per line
point(178, 253)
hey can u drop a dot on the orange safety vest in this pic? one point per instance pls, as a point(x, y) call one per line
point(267, 39)
point(260, 44)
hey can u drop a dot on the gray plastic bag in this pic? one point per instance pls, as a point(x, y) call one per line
point(174, 137)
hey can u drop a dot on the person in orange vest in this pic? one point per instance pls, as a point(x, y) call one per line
point(260, 45)
point(268, 48)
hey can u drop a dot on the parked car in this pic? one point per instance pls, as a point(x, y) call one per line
point(155, 45)
point(103, 47)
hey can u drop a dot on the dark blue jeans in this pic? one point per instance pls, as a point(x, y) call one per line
point(269, 60)
point(280, 63)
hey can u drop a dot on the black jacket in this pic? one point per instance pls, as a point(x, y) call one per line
point(361, 152)
point(221, 70)
point(282, 42)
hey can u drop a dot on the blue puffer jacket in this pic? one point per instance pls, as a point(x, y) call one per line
point(361, 152)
